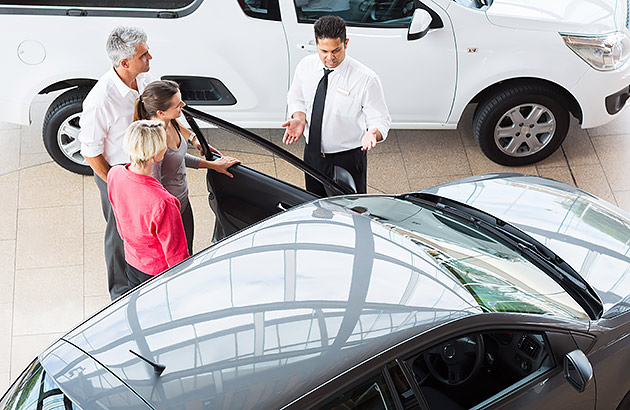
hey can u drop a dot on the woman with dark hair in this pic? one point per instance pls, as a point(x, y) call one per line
point(162, 101)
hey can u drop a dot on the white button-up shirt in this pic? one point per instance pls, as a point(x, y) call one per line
point(107, 113)
point(354, 103)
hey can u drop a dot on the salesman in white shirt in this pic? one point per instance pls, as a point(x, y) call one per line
point(338, 104)
point(107, 112)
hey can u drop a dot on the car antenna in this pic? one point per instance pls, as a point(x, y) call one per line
point(159, 369)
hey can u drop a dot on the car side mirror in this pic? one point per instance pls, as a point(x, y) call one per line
point(420, 24)
point(342, 177)
point(578, 370)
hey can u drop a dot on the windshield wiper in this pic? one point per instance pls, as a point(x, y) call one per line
point(541, 256)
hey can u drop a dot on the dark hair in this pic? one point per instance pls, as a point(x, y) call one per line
point(330, 27)
point(155, 97)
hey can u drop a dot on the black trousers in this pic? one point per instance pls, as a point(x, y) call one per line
point(135, 276)
point(189, 224)
point(354, 161)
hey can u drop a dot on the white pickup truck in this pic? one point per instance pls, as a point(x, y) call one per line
point(527, 64)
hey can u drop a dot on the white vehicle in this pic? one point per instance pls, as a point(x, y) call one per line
point(527, 64)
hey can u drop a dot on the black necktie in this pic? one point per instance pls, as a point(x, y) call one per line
point(315, 129)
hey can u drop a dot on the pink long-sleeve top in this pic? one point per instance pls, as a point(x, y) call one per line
point(148, 220)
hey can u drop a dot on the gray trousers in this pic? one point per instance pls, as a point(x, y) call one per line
point(114, 248)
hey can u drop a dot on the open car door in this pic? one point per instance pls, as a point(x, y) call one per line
point(251, 195)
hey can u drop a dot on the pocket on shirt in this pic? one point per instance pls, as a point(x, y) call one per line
point(345, 104)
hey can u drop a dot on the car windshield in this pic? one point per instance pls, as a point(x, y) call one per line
point(498, 277)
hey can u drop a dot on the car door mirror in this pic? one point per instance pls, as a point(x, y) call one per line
point(420, 24)
point(578, 370)
point(342, 177)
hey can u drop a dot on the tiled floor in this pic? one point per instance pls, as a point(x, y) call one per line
point(52, 270)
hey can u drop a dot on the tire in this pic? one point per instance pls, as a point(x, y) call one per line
point(521, 125)
point(61, 131)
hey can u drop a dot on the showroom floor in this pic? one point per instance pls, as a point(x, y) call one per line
point(52, 270)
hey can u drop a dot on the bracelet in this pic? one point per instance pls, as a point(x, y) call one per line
point(191, 138)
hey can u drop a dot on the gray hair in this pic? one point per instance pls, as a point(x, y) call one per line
point(122, 42)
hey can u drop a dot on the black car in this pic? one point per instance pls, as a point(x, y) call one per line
point(413, 301)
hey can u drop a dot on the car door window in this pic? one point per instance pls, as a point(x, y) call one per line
point(372, 394)
point(262, 9)
point(392, 13)
point(474, 370)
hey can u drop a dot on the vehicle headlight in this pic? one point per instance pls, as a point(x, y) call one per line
point(603, 52)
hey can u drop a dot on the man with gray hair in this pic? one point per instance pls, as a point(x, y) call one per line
point(107, 112)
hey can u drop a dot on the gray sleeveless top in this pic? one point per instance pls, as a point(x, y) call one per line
point(171, 171)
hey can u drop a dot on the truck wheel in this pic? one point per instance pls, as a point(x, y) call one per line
point(61, 131)
point(521, 125)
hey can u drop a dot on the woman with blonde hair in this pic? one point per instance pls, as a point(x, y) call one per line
point(147, 216)
point(162, 101)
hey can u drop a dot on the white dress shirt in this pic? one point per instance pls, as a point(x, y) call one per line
point(107, 113)
point(354, 103)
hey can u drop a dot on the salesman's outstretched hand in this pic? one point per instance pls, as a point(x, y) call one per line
point(294, 128)
point(369, 139)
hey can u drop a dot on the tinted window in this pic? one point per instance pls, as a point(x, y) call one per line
point(145, 4)
point(478, 369)
point(36, 390)
point(372, 394)
point(393, 13)
point(262, 9)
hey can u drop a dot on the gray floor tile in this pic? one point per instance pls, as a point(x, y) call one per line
point(6, 325)
point(48, 300)
point(592, 178)
point(426, 182)
point(7, 270)
point(31, 160)
point(9, 151)
point(385, 173)
point(420, 164)
point(428, 141)
point(93, 219)
point(25, 348)
point(561, 174)
point(480, 164)
point(94, 270)
point(49, 185)
point(8, 205)
point(5, 381)
point(623, 199)
point(93, 304)
point(612, 152)
point(204, 222)
point(49, 237)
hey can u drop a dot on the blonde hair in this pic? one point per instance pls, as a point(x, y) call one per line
point(144, 139)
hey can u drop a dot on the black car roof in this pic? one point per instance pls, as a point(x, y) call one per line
point(262, 317)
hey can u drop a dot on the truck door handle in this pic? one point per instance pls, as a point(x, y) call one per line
point(310, 47)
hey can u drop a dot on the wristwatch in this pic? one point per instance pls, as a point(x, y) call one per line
point(191, 138)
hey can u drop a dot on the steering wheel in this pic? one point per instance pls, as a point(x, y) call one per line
point(454, 362)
